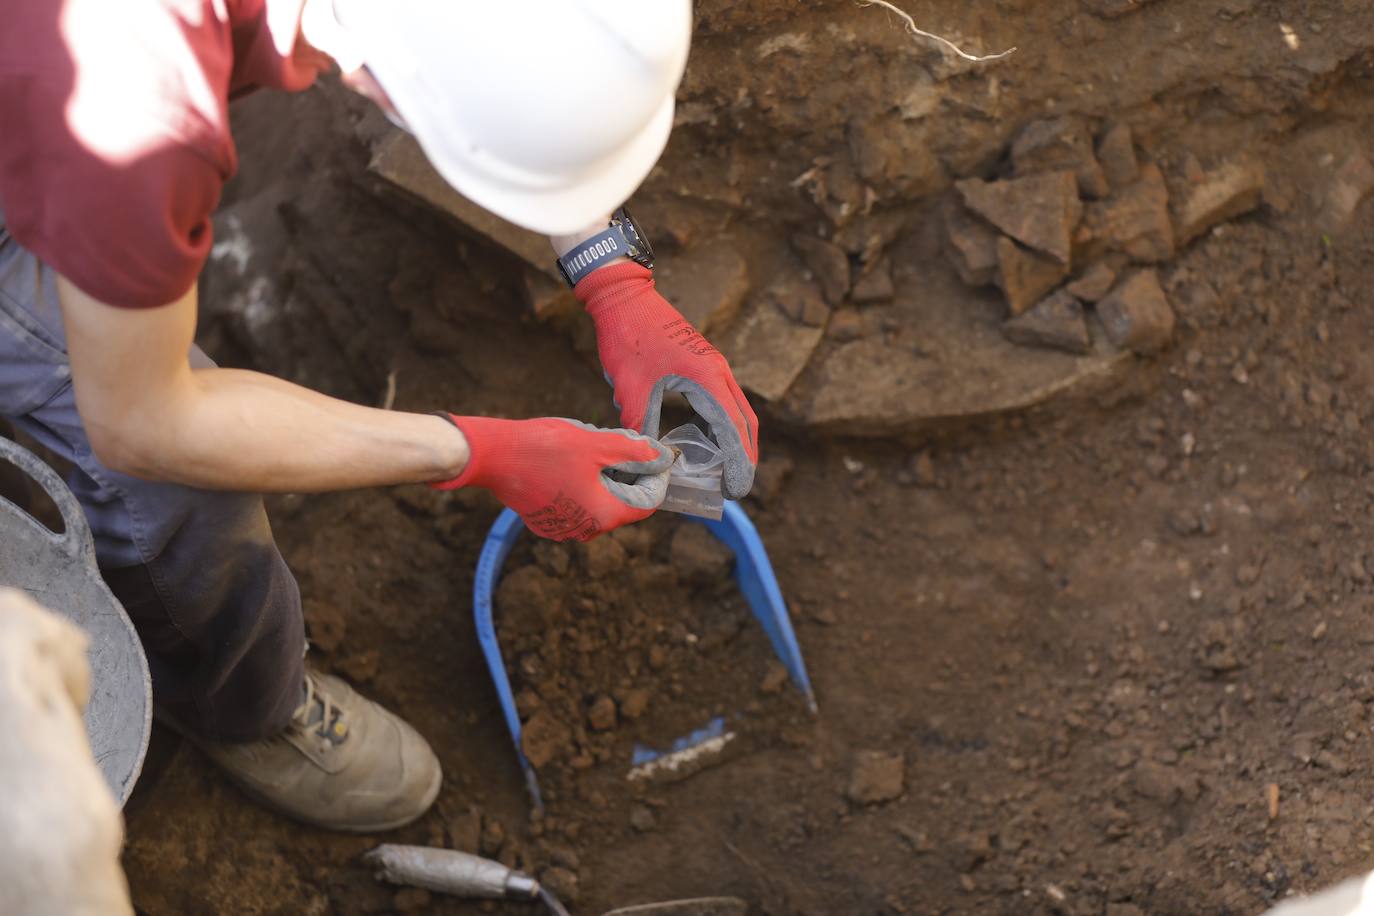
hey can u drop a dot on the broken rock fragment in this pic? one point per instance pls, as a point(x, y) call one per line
point(800, 300)
point(1060, 143)
point(1116, 153)
point(1095, 283)
point(875, 285)
point(878, 776)
point(1026, 276)
point(1134, 221)
point(707, 284)
point(1114, 9)
point(768, 350)
point(970, 243)
point(1226, 192)
point(1137, 315)
point(1056, 322)
point(828, 262)
point(1351, 184)
point(1039, 211)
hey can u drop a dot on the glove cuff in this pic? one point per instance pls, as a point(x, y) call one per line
point(484, 435)
point(606, 289)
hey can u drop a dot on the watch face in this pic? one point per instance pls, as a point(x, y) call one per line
point(644, 251)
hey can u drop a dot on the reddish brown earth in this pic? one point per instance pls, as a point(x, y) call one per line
point(1095, 634)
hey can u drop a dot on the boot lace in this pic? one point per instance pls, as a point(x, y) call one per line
point(318, 713)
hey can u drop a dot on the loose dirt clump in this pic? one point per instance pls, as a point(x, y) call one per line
point(608, 666)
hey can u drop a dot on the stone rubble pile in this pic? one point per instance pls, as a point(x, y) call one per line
point(1080, 228)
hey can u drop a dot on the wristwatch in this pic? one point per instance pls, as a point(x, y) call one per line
point(623, 238)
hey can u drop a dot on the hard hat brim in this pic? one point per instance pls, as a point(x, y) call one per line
point(560, 211)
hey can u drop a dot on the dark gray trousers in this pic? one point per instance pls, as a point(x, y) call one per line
point(217, 610)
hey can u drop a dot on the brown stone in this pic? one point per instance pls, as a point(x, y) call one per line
point(878, 776)
point(774, 678)
point(875, 285)
point(970, 243)
point(707, 284)
point(768, 351)
point(1114, 9)
point(1095, 282)
point(1116, 152)
point(635, 703)
point(800, 300)
point(1137, 315)
point(1134, 220)
point(1039, 211)
point(1026, 276)
point(563, 883)
point(1351, 184)
point(828, 262)
point(550, 300)
point(1060, 143)
point(1226, 192)
point(601, 714)
point(846, 324)
point(543, 738)
point(1056, 322)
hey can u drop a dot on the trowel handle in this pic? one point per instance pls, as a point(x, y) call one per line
point(75, 539)
point(450, 872)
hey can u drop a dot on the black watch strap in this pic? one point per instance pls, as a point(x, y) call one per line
point(596, 251)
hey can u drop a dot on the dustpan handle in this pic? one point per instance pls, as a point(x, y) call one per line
point(75, 540)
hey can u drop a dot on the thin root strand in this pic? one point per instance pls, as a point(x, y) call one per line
point(917, 30)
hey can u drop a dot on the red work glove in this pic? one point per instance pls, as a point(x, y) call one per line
point(647, 348)
point(553, 473)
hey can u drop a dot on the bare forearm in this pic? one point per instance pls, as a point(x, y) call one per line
point(149, 414)
point(236, 430)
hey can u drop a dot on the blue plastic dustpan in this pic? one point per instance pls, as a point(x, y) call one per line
point(752, 570)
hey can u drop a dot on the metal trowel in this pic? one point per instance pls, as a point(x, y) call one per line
point(464, 875)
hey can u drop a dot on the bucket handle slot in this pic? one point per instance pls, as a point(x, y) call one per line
point(75, 540)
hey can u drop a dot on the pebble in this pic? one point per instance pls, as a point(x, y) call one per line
point(563, 883)
point(493, 836)
point(774, 678)
point(601, 714)
point(634, 703)
point(642, 819)
point(878, 776)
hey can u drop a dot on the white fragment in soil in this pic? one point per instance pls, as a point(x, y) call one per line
point(1319, 631)
point(1188, 444)
point(232, 245)
point(1055, 893)
point(1290, 37)
point(679, 760)
point(1195, 591)
point(852, 466)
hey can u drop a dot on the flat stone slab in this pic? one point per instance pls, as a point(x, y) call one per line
point(767, 350)
point(948, 361)
point(399, 160)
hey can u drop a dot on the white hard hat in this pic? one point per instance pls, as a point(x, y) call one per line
point(548, 113)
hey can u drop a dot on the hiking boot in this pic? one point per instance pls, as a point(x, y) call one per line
point(343, 763)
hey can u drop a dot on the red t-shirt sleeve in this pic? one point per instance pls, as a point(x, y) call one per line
point(132, 236)
point(114, 138)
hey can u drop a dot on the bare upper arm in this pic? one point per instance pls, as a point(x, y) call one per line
point(129, 368)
